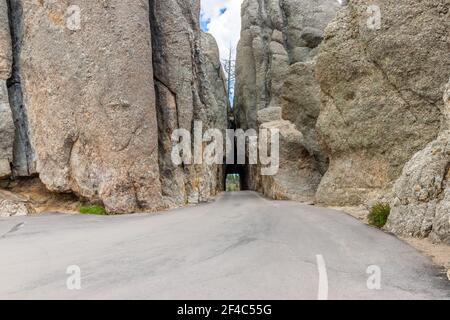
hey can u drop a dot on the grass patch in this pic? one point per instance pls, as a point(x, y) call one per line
point(379, 215)
point(93, 209)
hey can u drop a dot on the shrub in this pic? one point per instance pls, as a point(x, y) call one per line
point(379, 215)
point(93, 209)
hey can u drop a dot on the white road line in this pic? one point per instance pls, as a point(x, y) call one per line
point(323, 278)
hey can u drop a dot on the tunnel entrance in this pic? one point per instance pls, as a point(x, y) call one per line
point(235, 176)
point(235, 173)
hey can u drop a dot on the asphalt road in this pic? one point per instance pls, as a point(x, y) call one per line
point(240, 247)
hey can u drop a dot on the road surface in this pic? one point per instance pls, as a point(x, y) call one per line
point(240, 247)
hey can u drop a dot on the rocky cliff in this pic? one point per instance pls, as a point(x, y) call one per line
point(276, 88)
point(95, 89)
point(382, 93)
point(357, 93)
point(190, 87)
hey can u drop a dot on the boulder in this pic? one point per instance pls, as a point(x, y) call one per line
point(297, 177)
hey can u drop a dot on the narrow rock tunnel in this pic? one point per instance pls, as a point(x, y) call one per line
point(235, 168)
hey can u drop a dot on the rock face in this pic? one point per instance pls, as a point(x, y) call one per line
point(5, 41)
point(6, 121)
point(276, 88)
point(213, 109)
point(421, 206)
point(382, 93)
point(189, 88)
point(353, 103)
point(93, 112)
point(23, 164)
point(298, 175)
point(12, 205)
point(6, 132)
point(90, 101)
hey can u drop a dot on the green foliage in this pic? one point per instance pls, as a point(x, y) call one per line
point(93, 209)
point(233, 183)
point(379, 215)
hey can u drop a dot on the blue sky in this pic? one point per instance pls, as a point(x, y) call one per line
point(204, 23)
point(222, 18)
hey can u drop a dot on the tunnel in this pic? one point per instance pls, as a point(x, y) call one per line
point(235, 168)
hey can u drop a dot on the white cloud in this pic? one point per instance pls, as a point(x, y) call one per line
point(224, 26)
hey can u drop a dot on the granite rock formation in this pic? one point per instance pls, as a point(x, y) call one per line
point(357, 97)
point(276, 88)
point(382, 90)
point(421, 205)
point(90, 101)
point(13, 205)
point(96, 88)
point(190, 87)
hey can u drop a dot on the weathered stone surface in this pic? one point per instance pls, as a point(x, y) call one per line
point(23, 164)
point(382, 94)
point(82, 98)
point(6, 121)
point(12, 205)
point(275, 71)
point(6, 132)
point(5, 42)
point(300, 98)
point(213, 83)
point(421, 206)
point(298, 176)
point(270, 114)
point(90, 100)
point(215, 105)
point(190, 87)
